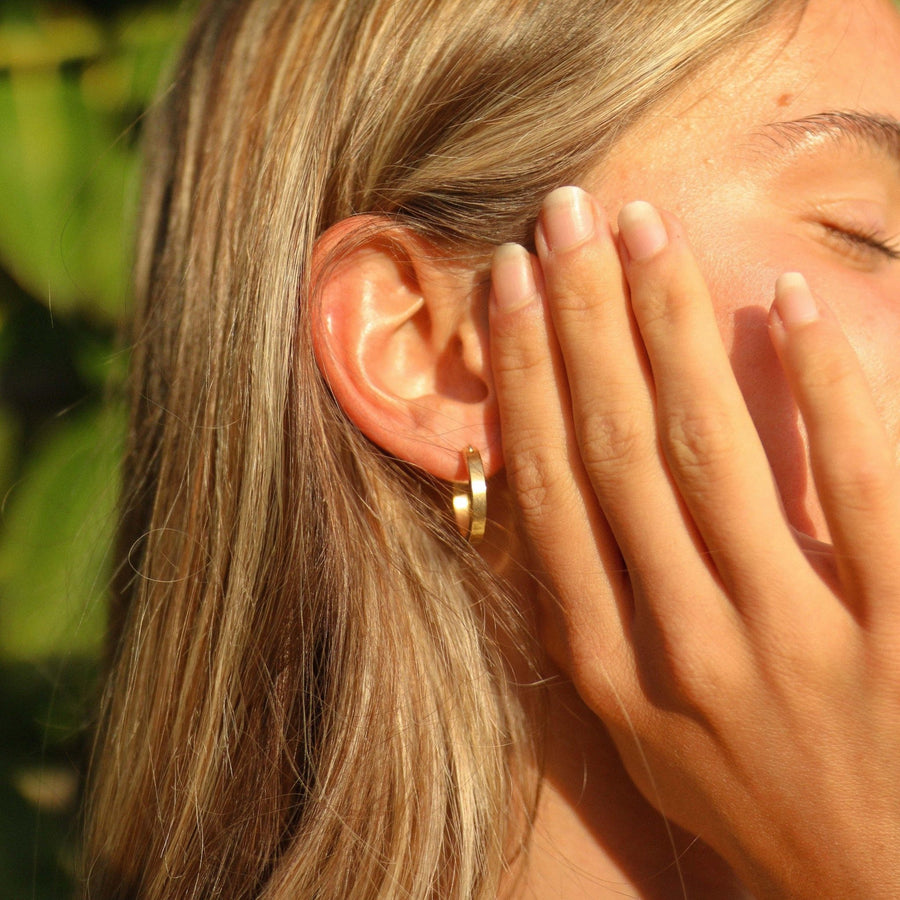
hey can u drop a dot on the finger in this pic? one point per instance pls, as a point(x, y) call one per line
point(562, 519)
point(709, 440)
point(612, 400)
point(851, 457)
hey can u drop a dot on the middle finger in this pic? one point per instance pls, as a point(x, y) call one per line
point(612, 394)
point(710, 442)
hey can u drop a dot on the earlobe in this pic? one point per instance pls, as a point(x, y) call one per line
point(401, 339)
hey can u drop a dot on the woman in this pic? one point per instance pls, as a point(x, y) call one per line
point(321, 689)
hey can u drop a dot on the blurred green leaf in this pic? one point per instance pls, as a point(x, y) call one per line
point(40, 41)
point(10, 436)
point(71, 92)
point(73, 87)
point(57, 531)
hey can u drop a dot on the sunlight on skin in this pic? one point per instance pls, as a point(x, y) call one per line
point(758, 201)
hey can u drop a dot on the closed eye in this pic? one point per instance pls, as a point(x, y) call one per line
point(860, 240)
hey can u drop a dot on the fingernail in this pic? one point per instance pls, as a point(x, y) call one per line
point(567, 218)
point(513, 277)
point(642, 230)
point(794, 301)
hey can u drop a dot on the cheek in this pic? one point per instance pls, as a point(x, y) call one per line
point(869, 312)
point(742, 305)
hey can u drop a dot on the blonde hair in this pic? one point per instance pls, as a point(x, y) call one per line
point(309, 696)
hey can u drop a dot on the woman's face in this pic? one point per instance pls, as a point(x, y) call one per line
point(787, 157)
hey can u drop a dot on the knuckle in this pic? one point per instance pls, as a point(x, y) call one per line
point(654, 303)
point(611, 438)
point(537, 477)
point(802, 656)
point(574, 299)
point(682, 671)
point(828, 372)
point(581, 291)
point(864, 486)
point(518, 355)
point(664, 301)
point(607, 682)
point(697, 442)
point(685, 674)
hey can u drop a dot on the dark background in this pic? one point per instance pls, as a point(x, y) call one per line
point(75, 78)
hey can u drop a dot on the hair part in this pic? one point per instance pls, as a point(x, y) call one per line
point(310, 695)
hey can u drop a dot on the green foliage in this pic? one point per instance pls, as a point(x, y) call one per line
point(71, 89)
point(73, 86)
point(54, 562)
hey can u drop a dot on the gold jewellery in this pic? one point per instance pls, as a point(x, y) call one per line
point(470, 500)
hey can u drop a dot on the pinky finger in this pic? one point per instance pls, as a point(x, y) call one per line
point(851, 457)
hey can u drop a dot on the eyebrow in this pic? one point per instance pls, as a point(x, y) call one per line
point(872, 132)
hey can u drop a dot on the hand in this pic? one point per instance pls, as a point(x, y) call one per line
point(754, 699)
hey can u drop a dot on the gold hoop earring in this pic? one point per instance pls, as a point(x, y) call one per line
point(470, 500)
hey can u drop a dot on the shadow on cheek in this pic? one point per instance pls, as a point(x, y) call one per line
point(772, 408)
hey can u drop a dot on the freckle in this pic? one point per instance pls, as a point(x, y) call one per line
point(784, 99)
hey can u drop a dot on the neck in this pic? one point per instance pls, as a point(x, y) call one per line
point(594, 835)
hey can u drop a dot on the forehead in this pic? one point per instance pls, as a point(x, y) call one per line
point(840, 55)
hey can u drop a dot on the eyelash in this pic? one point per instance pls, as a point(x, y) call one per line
point(866, 240)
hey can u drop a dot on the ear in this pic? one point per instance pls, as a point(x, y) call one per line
point(401, 337)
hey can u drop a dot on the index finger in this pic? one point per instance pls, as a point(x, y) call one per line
point(561, 517)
